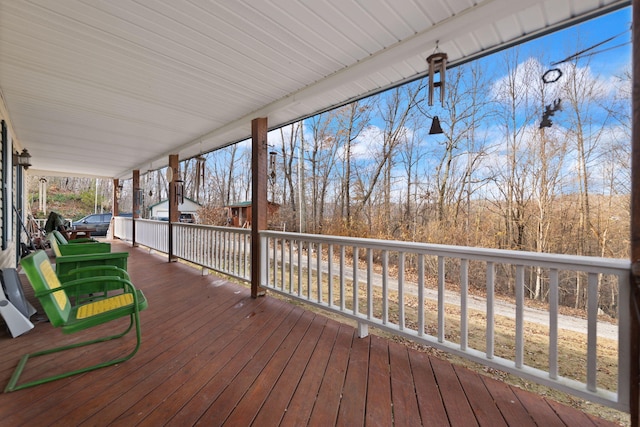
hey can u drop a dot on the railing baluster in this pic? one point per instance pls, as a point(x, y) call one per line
point(491, 269)
point(592, 329)
point(216, 250)
point(553, 323)
point(309, 255)
point(300, 267)
point(355, 280)
point(519, 316)
point(464, 295)
point(247, 254)
point(264, 263)
point(290, 265)
point(369, 283)
point(401, 314)
point(624, 343)
point(330, 275)
point(342, 278)
point(421, 295)
point(319, 272)
point(266, 277)
point(283, 243)
point(441, 299)
point(385, 287)
point(274, 242)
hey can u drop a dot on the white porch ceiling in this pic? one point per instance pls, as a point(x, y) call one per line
point(100, 88)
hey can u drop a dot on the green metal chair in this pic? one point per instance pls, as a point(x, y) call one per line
point(74, 318)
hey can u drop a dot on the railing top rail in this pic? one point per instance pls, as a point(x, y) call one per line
point(559, 261)
point(236, 230)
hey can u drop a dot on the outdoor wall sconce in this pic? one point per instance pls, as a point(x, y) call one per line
point(435, 126)
point(22, 159)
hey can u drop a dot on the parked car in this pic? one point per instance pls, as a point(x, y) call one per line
point(188, 218)
point(98, 224)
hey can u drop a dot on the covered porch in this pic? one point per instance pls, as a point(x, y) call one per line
point(147, 88)
point(212, 355)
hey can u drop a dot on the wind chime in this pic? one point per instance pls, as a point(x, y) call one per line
point(200, 168)
point(437, 65)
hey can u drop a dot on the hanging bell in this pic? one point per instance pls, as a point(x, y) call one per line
point(435, 126)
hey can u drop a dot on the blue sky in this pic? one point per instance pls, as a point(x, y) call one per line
point(563, 43)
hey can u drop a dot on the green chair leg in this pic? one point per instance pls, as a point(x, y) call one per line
point(12, 385)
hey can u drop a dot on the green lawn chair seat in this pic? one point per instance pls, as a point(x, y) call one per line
point(74, 318)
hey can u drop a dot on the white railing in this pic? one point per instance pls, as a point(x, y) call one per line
point(223, 249)
point(123, 228)
point(397, 281)
point(153, 234)
point(423, 292)
point(149, 233)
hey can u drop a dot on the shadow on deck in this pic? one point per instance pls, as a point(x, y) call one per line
point(211, 355)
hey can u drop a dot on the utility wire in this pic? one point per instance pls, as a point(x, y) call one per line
point(580, 54)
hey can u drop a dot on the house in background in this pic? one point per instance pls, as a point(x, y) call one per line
point(239, 214)
point(161, 209)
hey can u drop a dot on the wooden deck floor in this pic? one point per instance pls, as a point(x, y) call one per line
point(213, 356)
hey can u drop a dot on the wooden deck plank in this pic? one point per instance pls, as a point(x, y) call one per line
point(275, 406)
point(482, 404)
point(156, 351)
point(299, 410)
point(224, 387)
point(404, 400)
point(210, 353)
point(571, 417)
point(455, 401)
point(325, 409)
point(247, 392)
point(196, 391)
point(430, 402)
point(539, 410)
point(354, 391)
point(72, 386)
point(509, 405)
point(179, 360)
point(379, 411)
point(164, 401)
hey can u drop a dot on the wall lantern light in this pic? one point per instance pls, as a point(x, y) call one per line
point(22, 159)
